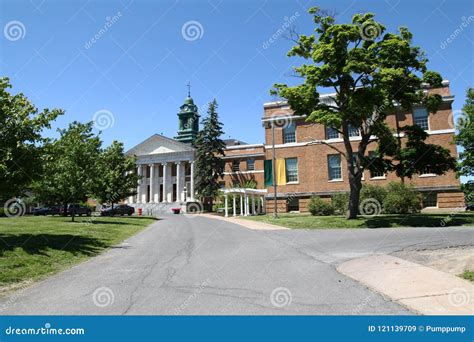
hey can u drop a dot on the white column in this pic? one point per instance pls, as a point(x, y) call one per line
point(262, 203)
point(156, 181)
point(139, 192)
point(192, 181)
point(253, 204)
point(241, 205)
point(246, 205)
point(179, 182)
point(165, 182)
point(144, 185)
point(152, 182)
point(234, 209)
point(226, 208)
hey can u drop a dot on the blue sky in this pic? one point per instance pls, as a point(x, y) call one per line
point(138, 68)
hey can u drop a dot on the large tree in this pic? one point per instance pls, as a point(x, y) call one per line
point(465, 136)
point(116, 176)
point(70, 166)
point(209, 152)
point(21, 143)
point(372, 72)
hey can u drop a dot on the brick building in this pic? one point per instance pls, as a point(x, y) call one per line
point(313, 168)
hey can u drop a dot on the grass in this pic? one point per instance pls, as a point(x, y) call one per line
point(33, 247)
point(468, 275)
point(381, 221)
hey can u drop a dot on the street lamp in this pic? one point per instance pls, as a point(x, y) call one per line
point(275, 212)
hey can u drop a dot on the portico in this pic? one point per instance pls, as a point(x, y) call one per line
point(252, 201)
point(166, 167)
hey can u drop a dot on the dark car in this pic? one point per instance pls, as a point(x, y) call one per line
point(77, 210)
point(121, 209)
point(470, 207)
point(38, 211)
point(45, 211)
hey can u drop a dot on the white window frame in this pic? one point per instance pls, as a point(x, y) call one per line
point(329, 168)
point(291, 126)
point(286, 171)
point(415, 109)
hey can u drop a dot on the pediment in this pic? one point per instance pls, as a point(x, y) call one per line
point(158, 144)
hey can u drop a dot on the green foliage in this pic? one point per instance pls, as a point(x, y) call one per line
point(70, 165)
point(319, 207)
point(340, 202)
point(21, 144)
point(116, 176)
point(209, 152)
point(368, 68)
point(465, 136)
point(376, 192)
point(401, 199)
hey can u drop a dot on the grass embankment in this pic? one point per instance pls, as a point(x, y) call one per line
point(34, 247)
point(308, 221)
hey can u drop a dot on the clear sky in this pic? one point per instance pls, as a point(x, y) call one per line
point(141, 60)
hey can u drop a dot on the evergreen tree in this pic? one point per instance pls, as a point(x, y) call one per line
point(465, 136)
point(209, 152)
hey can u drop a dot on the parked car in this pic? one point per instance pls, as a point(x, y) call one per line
point(470, 207)
point(77, 210)
point(45, 211)
point(121, 209)
point(38, 211)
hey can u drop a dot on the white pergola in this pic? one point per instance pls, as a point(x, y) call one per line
point(257, 196)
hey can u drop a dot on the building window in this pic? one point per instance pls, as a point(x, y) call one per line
point(293, 204)
point(289, 133)
point(353, 131)
point(250, 164)
point(221, 185)
point(334, 166)
point(291, 165)
point(235, 165)
point(420, 117)
point(331, 133)
point(430, 199)
point(427, 172)
point(375, 173)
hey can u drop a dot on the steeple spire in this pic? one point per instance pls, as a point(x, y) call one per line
point(189, 89)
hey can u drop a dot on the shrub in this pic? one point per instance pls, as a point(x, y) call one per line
point(401, 199)
point(340, 202)
point(375, 192)
point(320, 207)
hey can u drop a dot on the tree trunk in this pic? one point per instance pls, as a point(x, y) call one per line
point(65, 209)
point(72, 216)
point(355, 184)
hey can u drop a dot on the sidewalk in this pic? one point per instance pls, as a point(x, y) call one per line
point(246, 223)
point(422, 289)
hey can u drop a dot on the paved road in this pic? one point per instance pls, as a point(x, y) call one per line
point(182, 265)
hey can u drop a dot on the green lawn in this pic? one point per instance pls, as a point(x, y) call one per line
point(32, 247)
point(468, 275)
point(322, 222)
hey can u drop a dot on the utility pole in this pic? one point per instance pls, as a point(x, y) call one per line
point(275, 212)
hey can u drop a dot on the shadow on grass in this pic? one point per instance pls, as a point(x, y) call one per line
point(40, 243)
point(415, 220)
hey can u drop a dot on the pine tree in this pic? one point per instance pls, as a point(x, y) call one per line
point(209, 153)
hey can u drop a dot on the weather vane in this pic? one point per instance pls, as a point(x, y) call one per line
point(189, 89)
